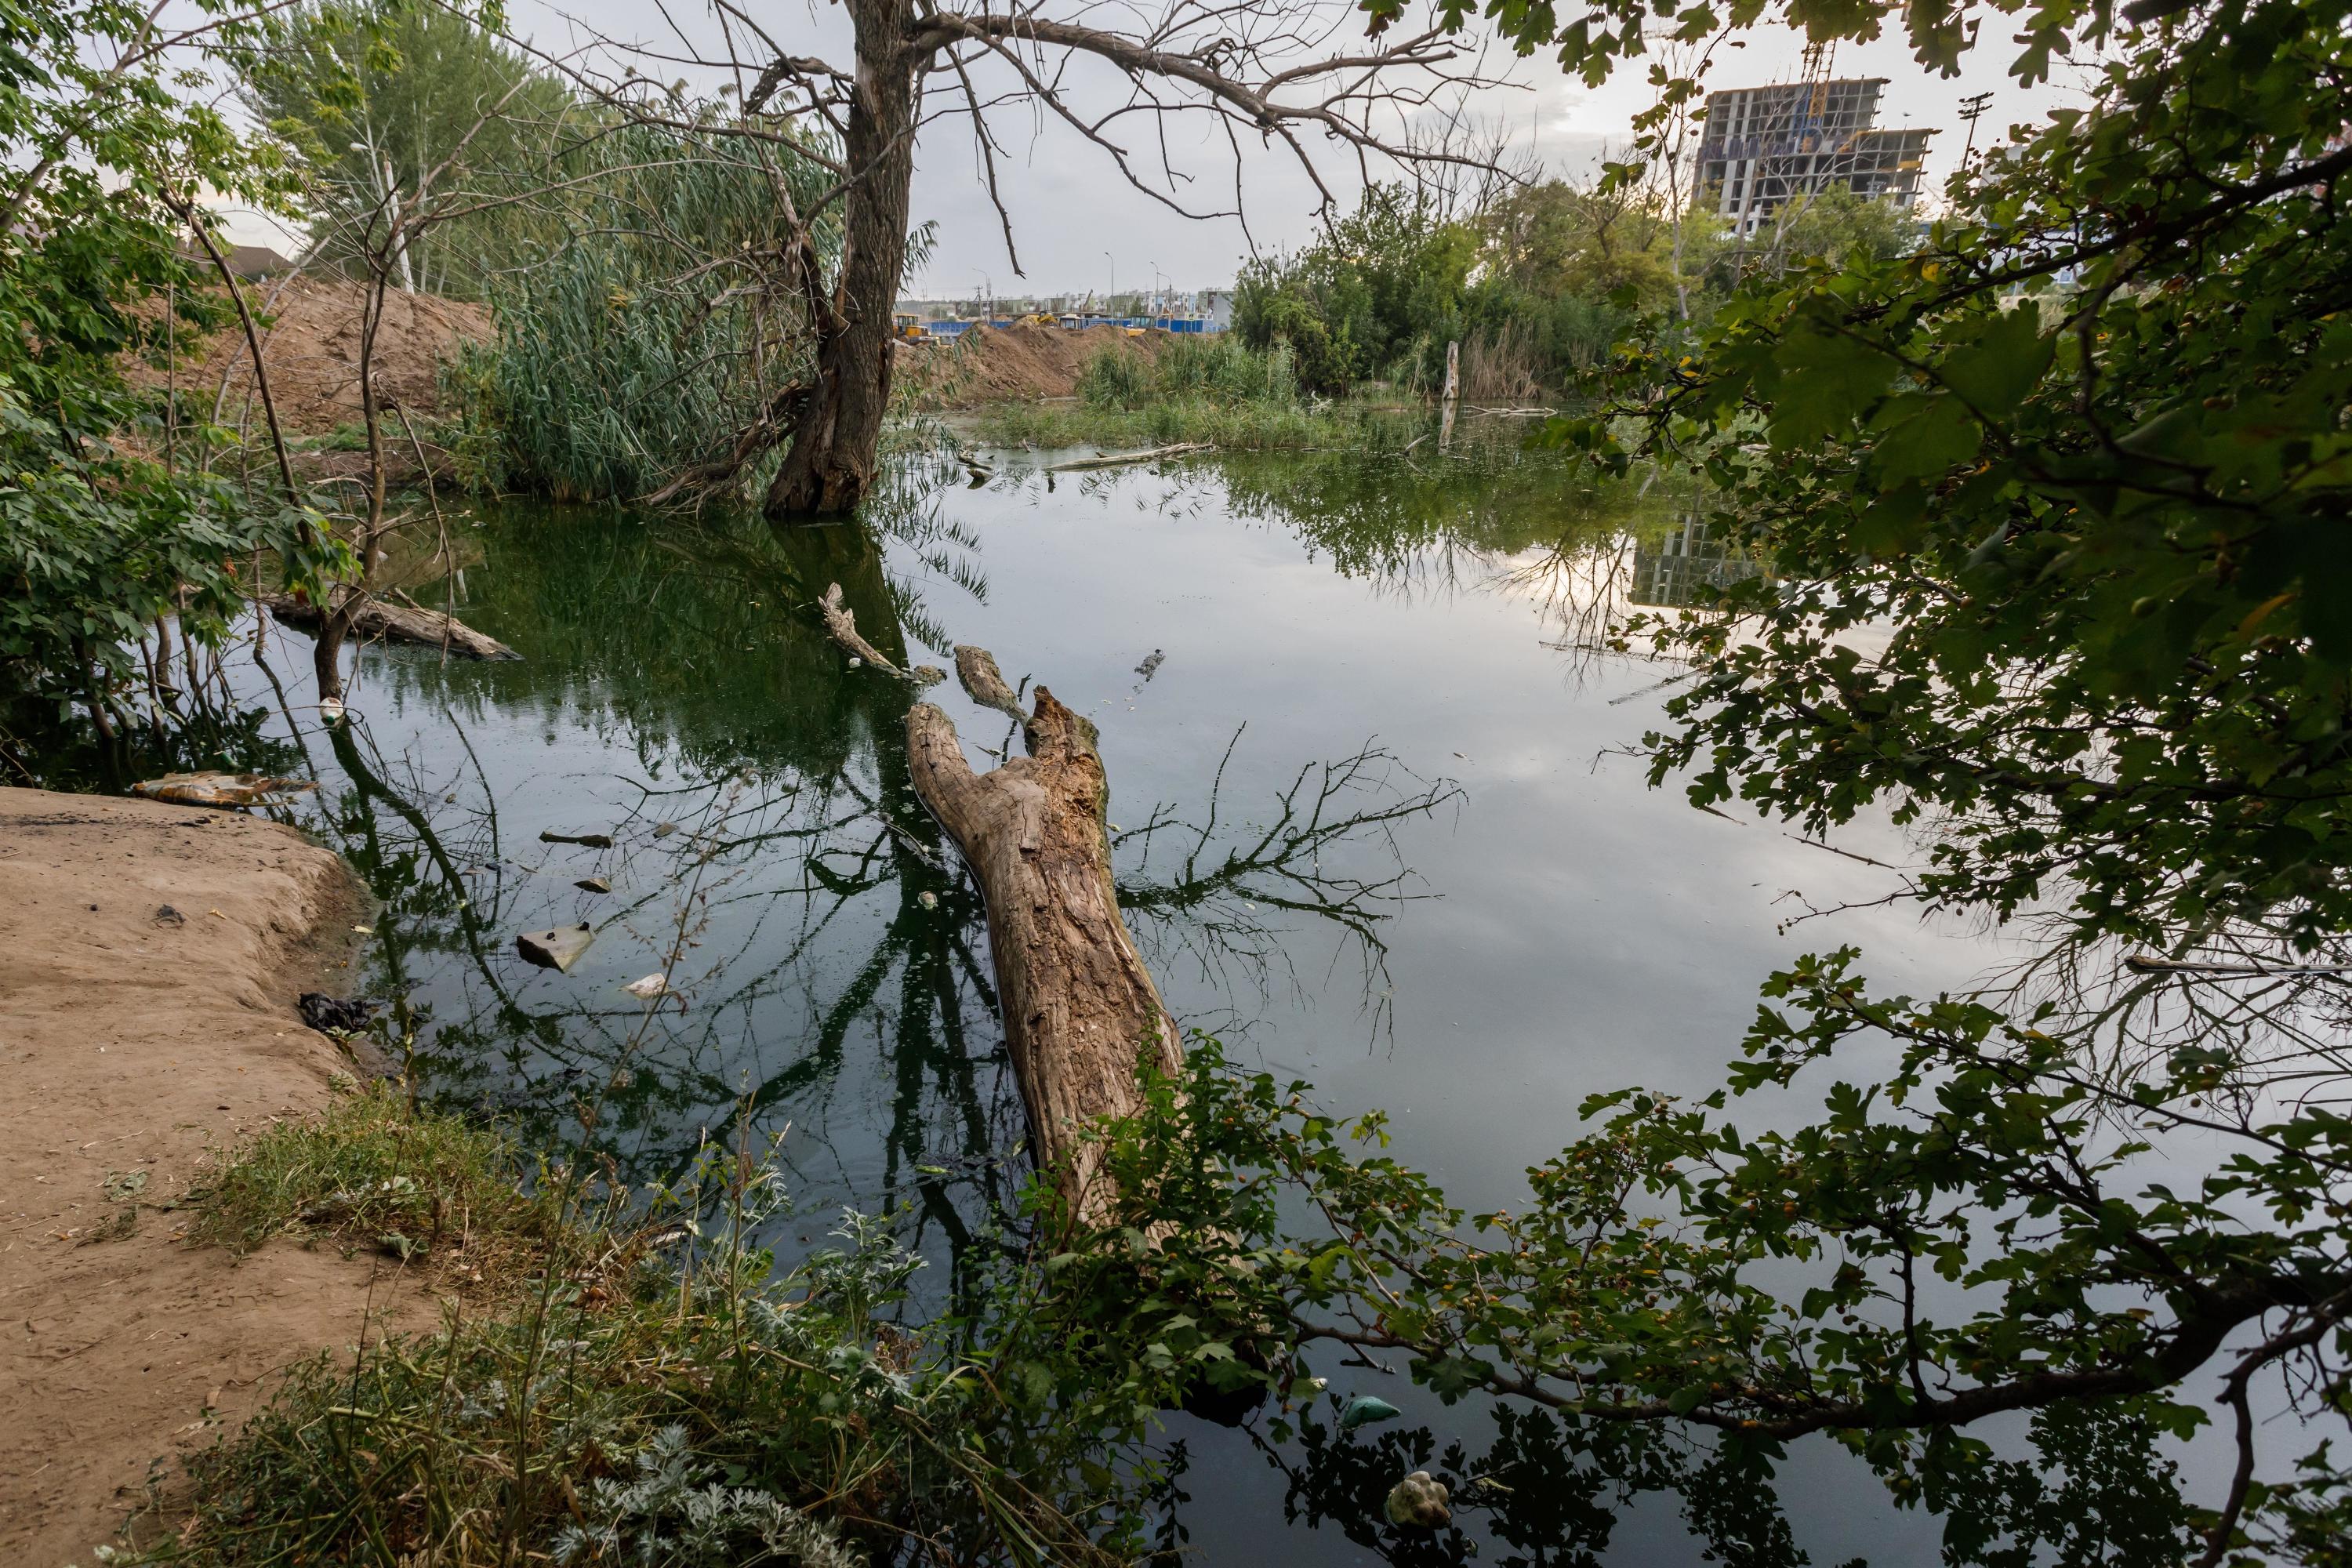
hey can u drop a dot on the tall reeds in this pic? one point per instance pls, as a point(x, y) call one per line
point(640, 345)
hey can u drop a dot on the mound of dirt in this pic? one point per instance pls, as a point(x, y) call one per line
point(150, 956)
point(1014, 364)
point(310, 348)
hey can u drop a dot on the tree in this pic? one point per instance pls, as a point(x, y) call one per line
point(2076, 462)
point(375, 97)
point(1251, 74)
point(1376, 289)
point(110, 532)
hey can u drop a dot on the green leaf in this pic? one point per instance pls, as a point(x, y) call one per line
point(2007, 357)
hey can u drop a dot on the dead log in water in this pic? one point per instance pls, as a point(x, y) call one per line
point(1080, 1009)
point(393, 622)
point(1116, 459)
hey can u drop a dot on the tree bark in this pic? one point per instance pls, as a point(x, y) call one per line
point(831, 464)
point(394, 622)
point(1080, 1009)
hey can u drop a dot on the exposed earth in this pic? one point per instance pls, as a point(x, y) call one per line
point(135, 1044)
point(1012, 365)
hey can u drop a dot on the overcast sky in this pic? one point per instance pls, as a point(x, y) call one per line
point(1078, 226)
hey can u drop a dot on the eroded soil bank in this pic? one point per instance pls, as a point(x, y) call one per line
point(150, 958)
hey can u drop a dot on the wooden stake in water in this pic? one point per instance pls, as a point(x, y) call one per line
point(1452, 397)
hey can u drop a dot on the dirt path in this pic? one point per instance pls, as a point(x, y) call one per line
point(128, 1044)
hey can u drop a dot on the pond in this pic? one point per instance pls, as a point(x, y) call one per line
point(1378, 828)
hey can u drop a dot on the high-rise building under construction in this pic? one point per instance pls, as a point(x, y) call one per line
point(1765, 146)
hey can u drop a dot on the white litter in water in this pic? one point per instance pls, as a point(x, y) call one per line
point(651, 986)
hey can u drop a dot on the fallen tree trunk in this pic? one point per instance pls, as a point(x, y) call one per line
point(1081, 1012)
point(1080, 1009)
point(841, 625)
point(393, 622)
point(1113, 459)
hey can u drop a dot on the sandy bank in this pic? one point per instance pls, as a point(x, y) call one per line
point(130, 1043)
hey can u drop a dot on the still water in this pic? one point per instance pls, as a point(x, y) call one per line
point(1378, 830)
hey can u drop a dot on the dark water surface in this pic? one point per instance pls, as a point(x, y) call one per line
point(1375, 833)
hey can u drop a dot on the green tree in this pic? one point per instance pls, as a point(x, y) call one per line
point(1368, 298)
point(387, 102)
point(106, 530)
point(2055, 501)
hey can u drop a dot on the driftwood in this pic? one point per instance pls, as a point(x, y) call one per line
point(1080, 1009)
point(984, 683)
point(841, 625)
point(1113, 459)
point(225, 791)
point(393, 622)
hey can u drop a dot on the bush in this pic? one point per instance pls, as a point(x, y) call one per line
point(1218, 368)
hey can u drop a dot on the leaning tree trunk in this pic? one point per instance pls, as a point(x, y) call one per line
point(831, 464)
point(1080, 1010)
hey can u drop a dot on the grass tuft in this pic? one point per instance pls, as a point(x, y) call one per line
point(374, 1171)
point(656, 1395)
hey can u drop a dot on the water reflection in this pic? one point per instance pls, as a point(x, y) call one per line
point(1687, 565)
point(829, 956)
point(825, 953)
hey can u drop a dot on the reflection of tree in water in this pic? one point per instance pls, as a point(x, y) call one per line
point(839, 979)
point(1551, 1491)
point(1424, 527)
point(1225, 896)
point(1497, 521)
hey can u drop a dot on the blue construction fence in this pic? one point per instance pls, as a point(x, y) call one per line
point(1079, 323)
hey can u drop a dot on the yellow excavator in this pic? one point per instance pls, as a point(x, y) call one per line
point(904, 324)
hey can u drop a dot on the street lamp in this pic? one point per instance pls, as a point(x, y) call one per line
point(1108, 306)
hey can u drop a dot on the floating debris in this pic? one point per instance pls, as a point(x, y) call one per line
point(1365, 1409)
point(226, 791)
point(591, 841)
point(651, 986)
point(594, 885)
point(1418, 1502)
point(664, 829)
point(928, 901)
point(559, 948)
point(1151, 664)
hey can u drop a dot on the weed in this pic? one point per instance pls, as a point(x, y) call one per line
point(374, 1171)
point(655, 1397)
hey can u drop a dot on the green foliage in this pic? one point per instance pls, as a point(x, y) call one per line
point(374, 1171)
point(1538, 285)
point(1230, 426)
point(357, 88)
point(1367, 298)
point(649, 338)
point(1217, 368)
point(103, 535)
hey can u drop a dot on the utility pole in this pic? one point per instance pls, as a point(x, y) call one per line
point(1973, 110)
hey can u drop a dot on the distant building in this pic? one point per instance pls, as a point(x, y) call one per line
point(1216, 308)
point(1689, 566)
point(1764, 146)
